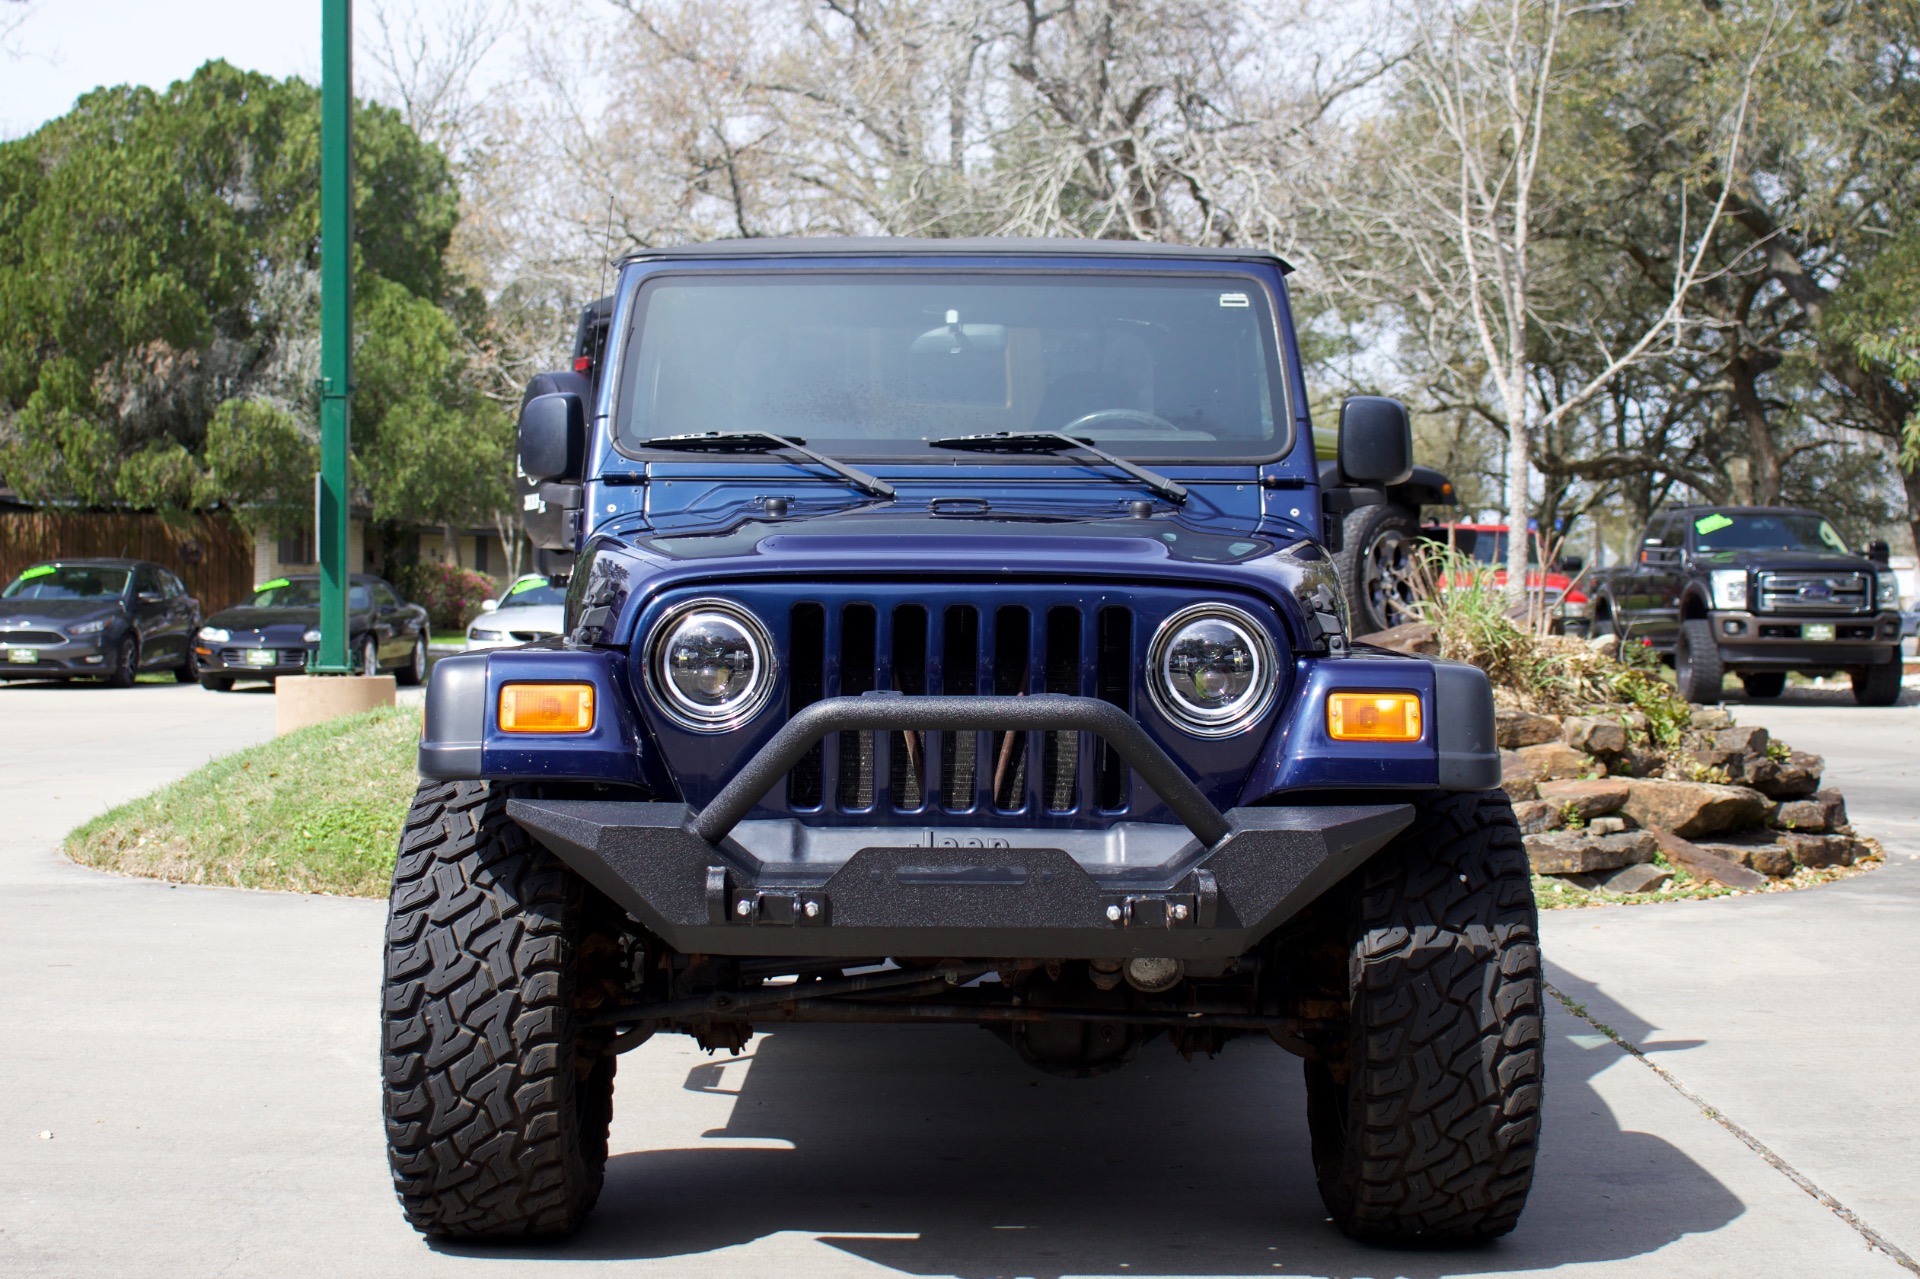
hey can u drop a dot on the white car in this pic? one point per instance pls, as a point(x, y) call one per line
point(531, 610)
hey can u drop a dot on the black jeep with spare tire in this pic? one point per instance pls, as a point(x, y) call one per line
point(952, 638)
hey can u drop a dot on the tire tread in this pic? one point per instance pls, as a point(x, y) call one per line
point(492, 1131)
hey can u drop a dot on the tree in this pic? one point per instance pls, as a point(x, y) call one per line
point(159, 317)
point(1459, 220)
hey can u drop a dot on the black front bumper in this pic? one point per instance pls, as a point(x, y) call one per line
point(712, 883)
point(1778, 642)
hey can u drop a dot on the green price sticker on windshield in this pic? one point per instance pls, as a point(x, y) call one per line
point(41, 571)
point(274, 585)
point(527, 585)
point(1712, 523)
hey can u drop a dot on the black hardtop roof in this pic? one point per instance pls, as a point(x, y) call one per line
point(972, 246)
point(95, 561)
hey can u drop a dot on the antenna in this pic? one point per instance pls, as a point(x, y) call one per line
point(606, 257)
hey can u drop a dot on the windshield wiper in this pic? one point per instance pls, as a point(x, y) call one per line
point(738, 440)
point(1054, 442)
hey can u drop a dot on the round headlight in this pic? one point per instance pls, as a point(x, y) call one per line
point(712, 665)
point(1211, 669)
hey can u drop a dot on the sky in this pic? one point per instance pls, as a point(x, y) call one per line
point(66, 47)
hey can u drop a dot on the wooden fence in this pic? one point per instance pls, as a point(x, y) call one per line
point(212, 554)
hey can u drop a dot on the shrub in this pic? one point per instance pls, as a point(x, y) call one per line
point(1555, 674)
point(451, 595)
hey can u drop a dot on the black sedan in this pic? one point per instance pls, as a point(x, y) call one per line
point(105, 619)
point(277, 632)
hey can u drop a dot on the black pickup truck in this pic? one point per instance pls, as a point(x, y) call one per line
point(1757, 591)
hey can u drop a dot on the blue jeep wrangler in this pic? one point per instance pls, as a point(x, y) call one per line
point(953, 638)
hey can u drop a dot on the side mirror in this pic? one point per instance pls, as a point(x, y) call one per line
point(487, 606)
point(1879, 552)
point(1571, 565)
point(553, 437)
point(1376, 440)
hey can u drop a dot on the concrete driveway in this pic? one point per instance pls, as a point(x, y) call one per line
point(205, 1061)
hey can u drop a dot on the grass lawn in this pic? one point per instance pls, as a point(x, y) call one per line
point(318, 811)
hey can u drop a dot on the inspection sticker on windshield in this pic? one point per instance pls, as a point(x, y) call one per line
point(1234, 300)
point(1712, 523)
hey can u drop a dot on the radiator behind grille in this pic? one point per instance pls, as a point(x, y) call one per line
point(965, 650)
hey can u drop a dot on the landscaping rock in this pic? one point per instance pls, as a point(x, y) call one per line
point(1798, 775)
point(1536, 816)
point(1824, 812)
point(1817, 852)
point(1588, 799)
point(1516, 728)
point(1771, 860)
point(1422, 638)
point(1741, 741)
point(1701, 864)
point(1607, 825)
point(1640, 878)
point(1693, 808)
point(1595, 736)
point(1576, 852)
point(1518, 786)
point(1550, 760)
point(1712, 717)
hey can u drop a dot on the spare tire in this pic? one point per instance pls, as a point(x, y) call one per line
point(1376, 560)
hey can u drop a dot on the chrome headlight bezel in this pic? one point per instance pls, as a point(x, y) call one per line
point(1728, 587)
point(84, 629)
point(675, 705)
point(1236, 717)
point(1886, 590)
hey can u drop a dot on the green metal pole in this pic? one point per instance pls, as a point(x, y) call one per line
point(336, 326)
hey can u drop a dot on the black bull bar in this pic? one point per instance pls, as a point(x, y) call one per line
point(710, 882)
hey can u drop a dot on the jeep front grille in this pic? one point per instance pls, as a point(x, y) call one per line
point(1815, 593)
point(850, 648)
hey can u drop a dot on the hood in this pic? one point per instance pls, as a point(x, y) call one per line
point(529, 617)
point(887, 537)
point(290, 623)
point(619, 572)
point(1790, 561)
point(57, 611)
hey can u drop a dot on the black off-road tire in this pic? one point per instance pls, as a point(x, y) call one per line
point(1764, 684)
point(1425, 1128)
point(1697, 668)
point(1375, 563)
point(497, 1098)
point(1877, 685)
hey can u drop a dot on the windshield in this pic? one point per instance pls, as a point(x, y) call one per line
point(1774, 531)
point(303, 593)
point(1175, 367)
point(67, 582)
point(533, 590)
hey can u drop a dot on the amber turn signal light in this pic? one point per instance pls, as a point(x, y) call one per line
point(1374, 717)
point(546, 708)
